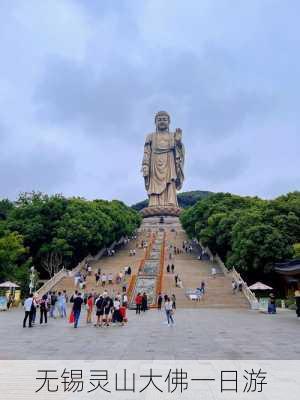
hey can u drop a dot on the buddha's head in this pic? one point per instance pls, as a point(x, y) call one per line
point(162, 121)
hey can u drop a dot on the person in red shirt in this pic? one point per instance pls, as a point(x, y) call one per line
point(89, 309)
point(138, 303)
point(123, 314)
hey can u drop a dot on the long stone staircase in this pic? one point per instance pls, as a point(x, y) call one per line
point(192, 272)
point(109, 264)
point(190, 269)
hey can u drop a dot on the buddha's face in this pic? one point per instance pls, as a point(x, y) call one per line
point(162, 122)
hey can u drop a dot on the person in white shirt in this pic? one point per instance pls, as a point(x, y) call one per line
point(116, 313)
point(28, 307)
point(103, 279)
point(125, 300)
point(169, 311)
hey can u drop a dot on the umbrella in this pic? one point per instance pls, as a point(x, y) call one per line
point(260, 286)
point(9, 284)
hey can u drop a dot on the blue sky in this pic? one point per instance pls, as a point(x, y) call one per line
point(80, 82)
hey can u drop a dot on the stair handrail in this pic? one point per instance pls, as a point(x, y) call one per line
point(223, 267)
point(47, 286)
point(100, 253)
point(131, 288)
point(161, 267)
point(250, 296)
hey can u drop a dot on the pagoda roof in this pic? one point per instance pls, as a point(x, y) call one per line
point(291, 267)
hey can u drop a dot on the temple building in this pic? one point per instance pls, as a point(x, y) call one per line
point(290, 275)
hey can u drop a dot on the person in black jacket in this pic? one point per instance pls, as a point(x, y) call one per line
point(99, 310)
point(43, 309)
point(77, 303)
point(53, 303)
point(108, 304)
point(144, 302)
point(159, 301)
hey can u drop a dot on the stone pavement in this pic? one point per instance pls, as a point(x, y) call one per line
point(198, 334)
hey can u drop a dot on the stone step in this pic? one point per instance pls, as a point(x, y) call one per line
point(191, 271)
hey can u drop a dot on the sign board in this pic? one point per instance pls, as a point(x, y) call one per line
point(3, 303)
point(263, 303)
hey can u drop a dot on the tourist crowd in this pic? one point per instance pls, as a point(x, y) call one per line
point(107, 309)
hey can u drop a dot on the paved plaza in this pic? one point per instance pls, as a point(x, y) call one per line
point(198, 334)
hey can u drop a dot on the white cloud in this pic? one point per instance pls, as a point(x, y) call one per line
point(80, 83)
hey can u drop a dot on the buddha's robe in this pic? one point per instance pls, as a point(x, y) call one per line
point(163, 159)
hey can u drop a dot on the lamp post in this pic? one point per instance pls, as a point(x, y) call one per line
point(32, 279)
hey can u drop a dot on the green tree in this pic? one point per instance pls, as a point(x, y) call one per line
point(296, 248)
point(246, 232)
point(11, 251)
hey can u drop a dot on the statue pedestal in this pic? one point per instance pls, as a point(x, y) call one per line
point(161, 218)
point(161, 223)
point(166, 211)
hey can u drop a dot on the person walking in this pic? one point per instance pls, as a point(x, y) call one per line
point(63, 304)
point(176, 280)
point(173, 298)
point(172, 268)
point(108, 304)
point(28, 307)
point(58, 304)
point(159, 301)
point(66, 296)
point(89, 309)
point(138, 303)
point(103, 279)
point(52, 304)
point(272, 304)
point(43, 309)
point(116, 310)
point(77, 303)
point(10, 301)
point(234, 286)
point(99, 310)
point(168, 268)
point(202, 287)
point(124, 300)
point(297, 298)
point(33, 309)
point(169, 311)
point(97, 278)
point(240, 285)
point(144, 302)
